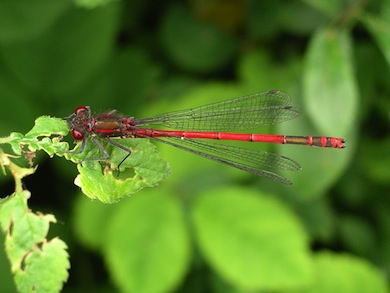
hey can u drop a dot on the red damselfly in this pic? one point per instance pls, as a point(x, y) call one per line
point(215, 121)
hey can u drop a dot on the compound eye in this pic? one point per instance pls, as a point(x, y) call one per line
point(77, 134)
point(81, 109)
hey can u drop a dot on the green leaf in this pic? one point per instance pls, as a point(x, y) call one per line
point(47, 126)
point(44, 127)
point(143, 168)
point(45, 268)
point(253, 242)
point(380, 30)
point(330, 92)
point(147, 247)
point(7, 282)
point(14, 140)
point(195, 45)
point(38, 265)
point(344, 273)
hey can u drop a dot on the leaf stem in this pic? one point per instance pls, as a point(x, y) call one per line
point(349, 15)
point(18, 172)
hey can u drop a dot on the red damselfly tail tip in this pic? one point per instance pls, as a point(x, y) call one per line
point(343, 141)
point(337, 143)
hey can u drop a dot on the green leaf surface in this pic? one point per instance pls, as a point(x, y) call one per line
point(380, 30)
point(26, 228)
point(330, 92)
point(45, 268)
point(344, 273)
point(195, 45)
point(38, 137)
point(253, 242)
point(7, 282)
point(14, 141)
point(47, 126)
point(38, 265)
point(143, 168)
point(147, 246)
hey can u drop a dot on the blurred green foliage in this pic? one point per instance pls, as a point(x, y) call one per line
point(207, 227)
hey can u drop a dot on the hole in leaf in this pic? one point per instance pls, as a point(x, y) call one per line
point(128, 172)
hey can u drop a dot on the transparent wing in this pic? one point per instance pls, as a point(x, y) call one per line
point(242, 113)
point(249, 160)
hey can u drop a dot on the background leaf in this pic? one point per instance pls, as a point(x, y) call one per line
point(195, 45)
point(380, 30)
point(345, 273)
point(240, 239)
point(160, 241)
point(328, 65)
